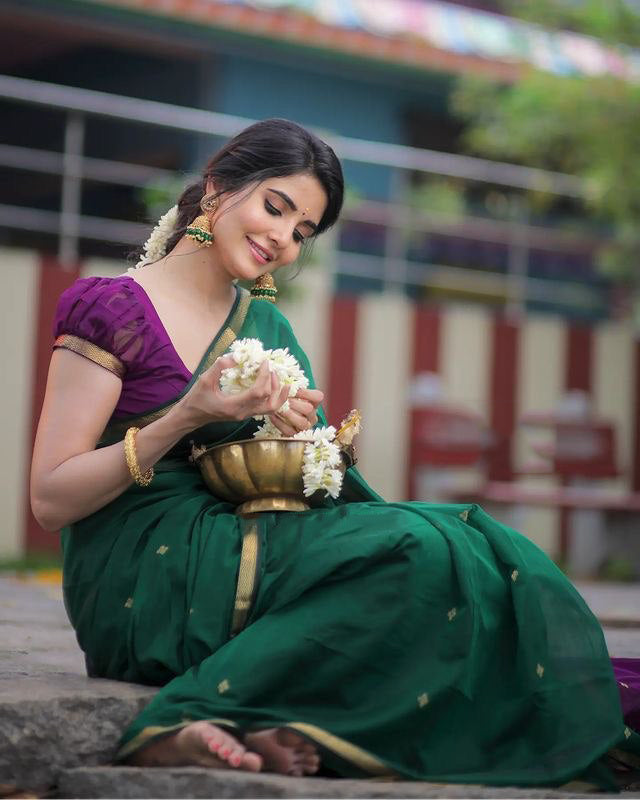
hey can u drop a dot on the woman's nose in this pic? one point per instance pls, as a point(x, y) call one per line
point(282, 235)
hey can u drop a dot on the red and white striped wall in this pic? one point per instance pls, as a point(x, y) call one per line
point(365, 352)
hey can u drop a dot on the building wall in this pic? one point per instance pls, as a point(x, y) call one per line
point(330, 98)
point(365, 353)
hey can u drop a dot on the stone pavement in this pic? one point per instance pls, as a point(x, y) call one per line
point(59, 729)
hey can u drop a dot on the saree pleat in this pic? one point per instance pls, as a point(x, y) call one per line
point(406, 640)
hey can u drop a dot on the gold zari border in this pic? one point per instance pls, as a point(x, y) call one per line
point(91, 351)
point(146, 735)
point(349, 752)
point(247, 577)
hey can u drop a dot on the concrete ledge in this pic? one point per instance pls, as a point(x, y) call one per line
point(132, 782)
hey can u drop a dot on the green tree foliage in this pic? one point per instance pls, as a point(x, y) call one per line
point(613, 21)
point(588, 126)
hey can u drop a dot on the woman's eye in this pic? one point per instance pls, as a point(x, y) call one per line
point(298, 238)
point(272, 209)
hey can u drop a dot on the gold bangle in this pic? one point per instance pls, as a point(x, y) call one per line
point(132, 459)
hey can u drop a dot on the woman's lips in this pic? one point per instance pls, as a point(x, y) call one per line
point(261, 255)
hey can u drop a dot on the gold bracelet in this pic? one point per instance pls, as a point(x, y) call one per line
point(132, 459)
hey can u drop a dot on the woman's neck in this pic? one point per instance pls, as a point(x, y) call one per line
point(190, 272)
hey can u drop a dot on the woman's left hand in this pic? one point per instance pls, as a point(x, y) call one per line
point(302, 413)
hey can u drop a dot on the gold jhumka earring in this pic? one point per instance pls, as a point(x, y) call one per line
point(200, 228)
point(264, 288)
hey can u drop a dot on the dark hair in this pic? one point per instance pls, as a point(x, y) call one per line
point(273, 148)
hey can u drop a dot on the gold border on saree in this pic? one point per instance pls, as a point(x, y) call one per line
point(349, 752)
point(89, 350)
point(247, 577)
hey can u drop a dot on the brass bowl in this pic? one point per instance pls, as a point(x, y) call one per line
point(259, 474)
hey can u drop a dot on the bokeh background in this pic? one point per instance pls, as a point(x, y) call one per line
point(478, 300)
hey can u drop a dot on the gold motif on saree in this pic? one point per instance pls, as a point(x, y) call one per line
point(423, 700)
point(627, 733)
point(514, 575)
point(622, 683)
point(128, 602)
point(452, 613)
point(162, 550)
point(247, 577)
point(464, 515)
point(91, 351)
point(540, 670)
point(223, 686)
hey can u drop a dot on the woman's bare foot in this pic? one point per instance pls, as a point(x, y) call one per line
point(201, 745)
point(284, 751)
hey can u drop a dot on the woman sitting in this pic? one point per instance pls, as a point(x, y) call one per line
point(405, 640)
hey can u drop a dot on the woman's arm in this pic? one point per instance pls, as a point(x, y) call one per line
point(70, 479)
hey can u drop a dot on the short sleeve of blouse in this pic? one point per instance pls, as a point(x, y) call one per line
point(102, 320)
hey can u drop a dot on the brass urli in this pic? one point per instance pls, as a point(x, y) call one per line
point(260, 474)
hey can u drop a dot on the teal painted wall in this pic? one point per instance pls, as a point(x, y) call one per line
point(337, 102)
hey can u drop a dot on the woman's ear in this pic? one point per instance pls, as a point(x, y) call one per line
point(210, 187)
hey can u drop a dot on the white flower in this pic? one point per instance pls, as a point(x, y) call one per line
point(156, 245)
point(267, 431)
point(230, 380)
point(316, 434)
point(283, 360)
point(288, 370)
point(248, 352)
point(321, 453)
point(312, 482)
point(330, 480)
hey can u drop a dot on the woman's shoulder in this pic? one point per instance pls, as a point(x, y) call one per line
point(94, 290)
point(108, 312)
point(97, 299)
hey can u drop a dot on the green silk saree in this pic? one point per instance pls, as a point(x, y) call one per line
point(407, 640)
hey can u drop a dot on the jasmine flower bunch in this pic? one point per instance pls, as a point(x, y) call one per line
point(249, 355)
point(321, 453)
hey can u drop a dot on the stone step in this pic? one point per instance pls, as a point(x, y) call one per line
point(133, 782)
point(60, 722)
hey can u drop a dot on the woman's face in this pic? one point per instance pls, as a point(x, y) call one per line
point(263, 227)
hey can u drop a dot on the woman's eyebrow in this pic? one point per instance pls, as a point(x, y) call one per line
point(293, 207)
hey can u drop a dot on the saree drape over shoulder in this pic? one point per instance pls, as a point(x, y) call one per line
point(406, 640)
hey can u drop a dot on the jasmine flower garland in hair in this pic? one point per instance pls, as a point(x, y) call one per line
point(156, 245)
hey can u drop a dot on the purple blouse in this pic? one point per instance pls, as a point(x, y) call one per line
point(117, 316)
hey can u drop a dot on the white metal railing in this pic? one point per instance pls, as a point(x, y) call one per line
point(74, 167)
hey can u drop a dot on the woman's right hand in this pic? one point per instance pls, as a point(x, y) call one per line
point(206, 402)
